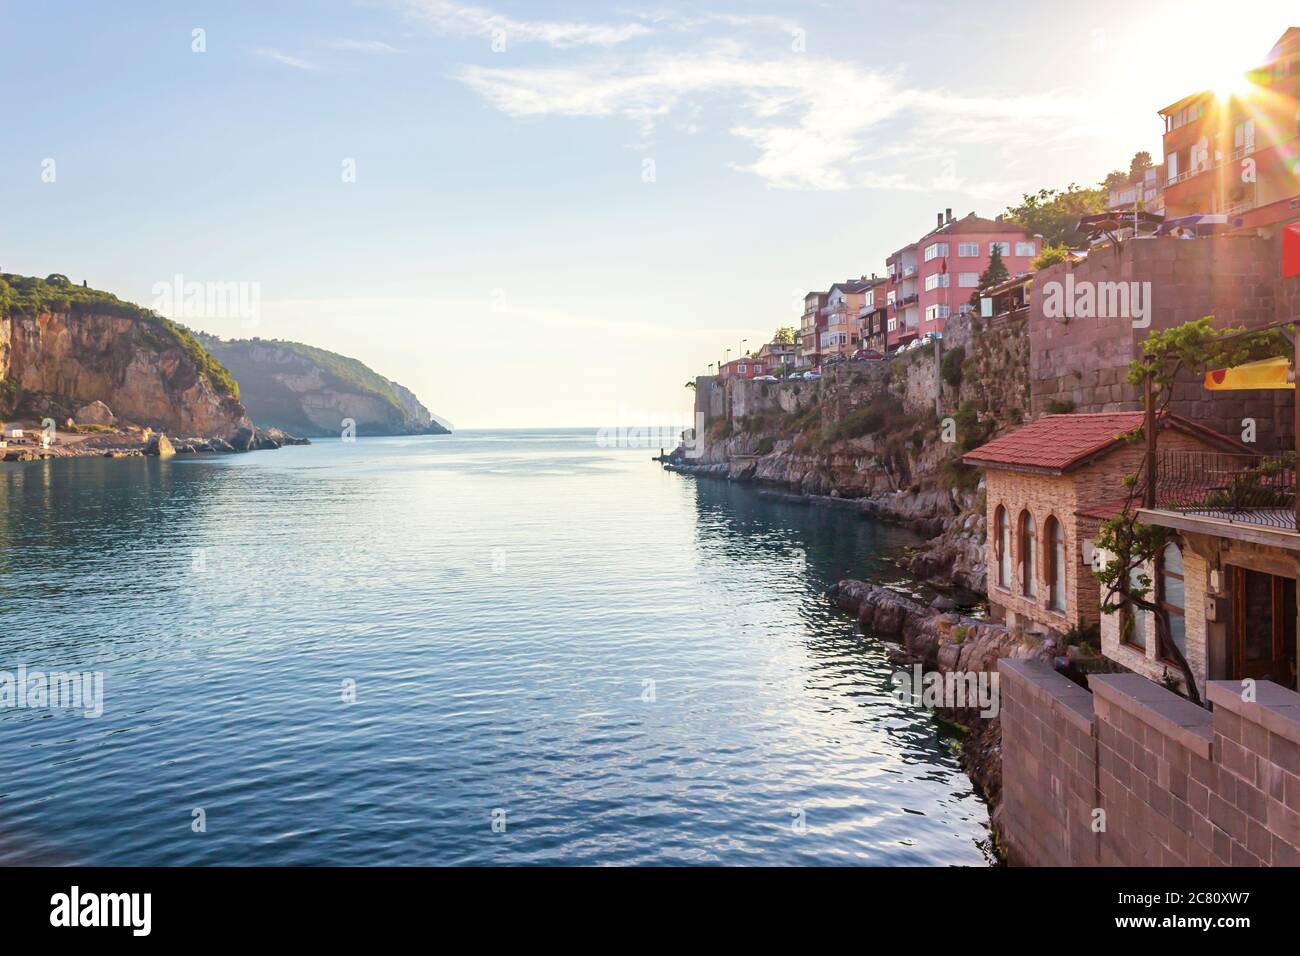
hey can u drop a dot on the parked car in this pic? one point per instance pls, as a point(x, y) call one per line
point(868, 355)
point(765, 378)
point(812, 376)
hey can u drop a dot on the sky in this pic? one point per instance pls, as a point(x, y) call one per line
point(556, 213)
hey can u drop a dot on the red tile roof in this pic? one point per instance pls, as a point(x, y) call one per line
point(1060, 443)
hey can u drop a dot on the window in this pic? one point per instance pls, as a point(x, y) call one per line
point(893, 324)
point(742, 369)
point(1028, 556)
point(1243, 137)
point(940, 280)
point(1024, 249)
point(1171, 164)
point(891, 298)
point(968, 280)
point(1004, 248)
point(1171, 594)
point(758, 369)
point(937, 312)
point(935, 249)
point(1002, 544)
point(1055, 565)
point(870, 301)
point(965, 309)
point(968, 250)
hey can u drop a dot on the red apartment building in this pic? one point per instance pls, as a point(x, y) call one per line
point(747, 367)
point(1238, 154)
point(932, 279)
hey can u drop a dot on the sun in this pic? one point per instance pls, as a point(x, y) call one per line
point(1229, 86)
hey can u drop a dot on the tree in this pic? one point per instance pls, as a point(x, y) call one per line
point(1133, 547)
point(1054, 214)
point(1140, 164)
point(995, 274)
point(1115, 179)
point(783, 336)
point(1050, 256)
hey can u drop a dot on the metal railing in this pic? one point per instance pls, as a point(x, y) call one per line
point(1243, 489)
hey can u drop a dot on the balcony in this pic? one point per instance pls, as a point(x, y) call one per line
point(1254, 490)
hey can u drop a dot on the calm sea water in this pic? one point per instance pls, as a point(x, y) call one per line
point(622, 664)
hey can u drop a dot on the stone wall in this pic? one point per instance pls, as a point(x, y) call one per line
point(1133, 775)
point(1085, 360)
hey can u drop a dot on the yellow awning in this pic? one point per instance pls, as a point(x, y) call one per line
point(1266, 373)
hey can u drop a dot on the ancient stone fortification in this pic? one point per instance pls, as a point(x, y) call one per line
point(54, 363)
point(1133, 775)
point(871, 432)
point(1083, 362)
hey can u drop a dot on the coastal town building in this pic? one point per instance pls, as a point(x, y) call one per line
point(1236, 566)
point(903, 325)
point(844, 304)
point(775, 355)
point(808, 352)
point(1048, 487)
point(746, 367)
point(934, 278)
point(1145, 193)
point(1236, 153)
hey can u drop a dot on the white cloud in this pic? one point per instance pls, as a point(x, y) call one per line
point(279, 56)
point(814, 123)
point(462, 19)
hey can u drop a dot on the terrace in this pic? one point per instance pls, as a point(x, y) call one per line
point(1204, 491)
point(1244, 496)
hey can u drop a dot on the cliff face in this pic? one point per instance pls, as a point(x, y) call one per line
point(53, 362)
point(310, 391)
point(870, 431)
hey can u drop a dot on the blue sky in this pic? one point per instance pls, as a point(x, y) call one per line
point(561, 211)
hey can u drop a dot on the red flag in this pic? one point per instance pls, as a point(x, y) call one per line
point(1291, 251)
point(943, 266)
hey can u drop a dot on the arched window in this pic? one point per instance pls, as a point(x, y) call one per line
point(1028, 556)
point(1055, 565)
point(1002, 544)
point(1171, 594)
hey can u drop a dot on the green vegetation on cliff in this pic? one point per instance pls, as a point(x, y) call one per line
point(28, 295)
point(298, 387)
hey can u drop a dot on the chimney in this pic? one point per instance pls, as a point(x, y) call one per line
point(939, 216)
point(948, 213)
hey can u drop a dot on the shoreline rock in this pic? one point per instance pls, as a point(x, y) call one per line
point(947, 642)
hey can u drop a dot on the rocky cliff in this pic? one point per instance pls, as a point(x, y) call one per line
point(889, 435)
point(310, 391)
point(63, 346)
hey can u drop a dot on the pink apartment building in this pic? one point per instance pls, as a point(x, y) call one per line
point(932, 279)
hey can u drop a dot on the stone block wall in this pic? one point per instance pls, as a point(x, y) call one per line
point(1175, 784)
point(1085, 360)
